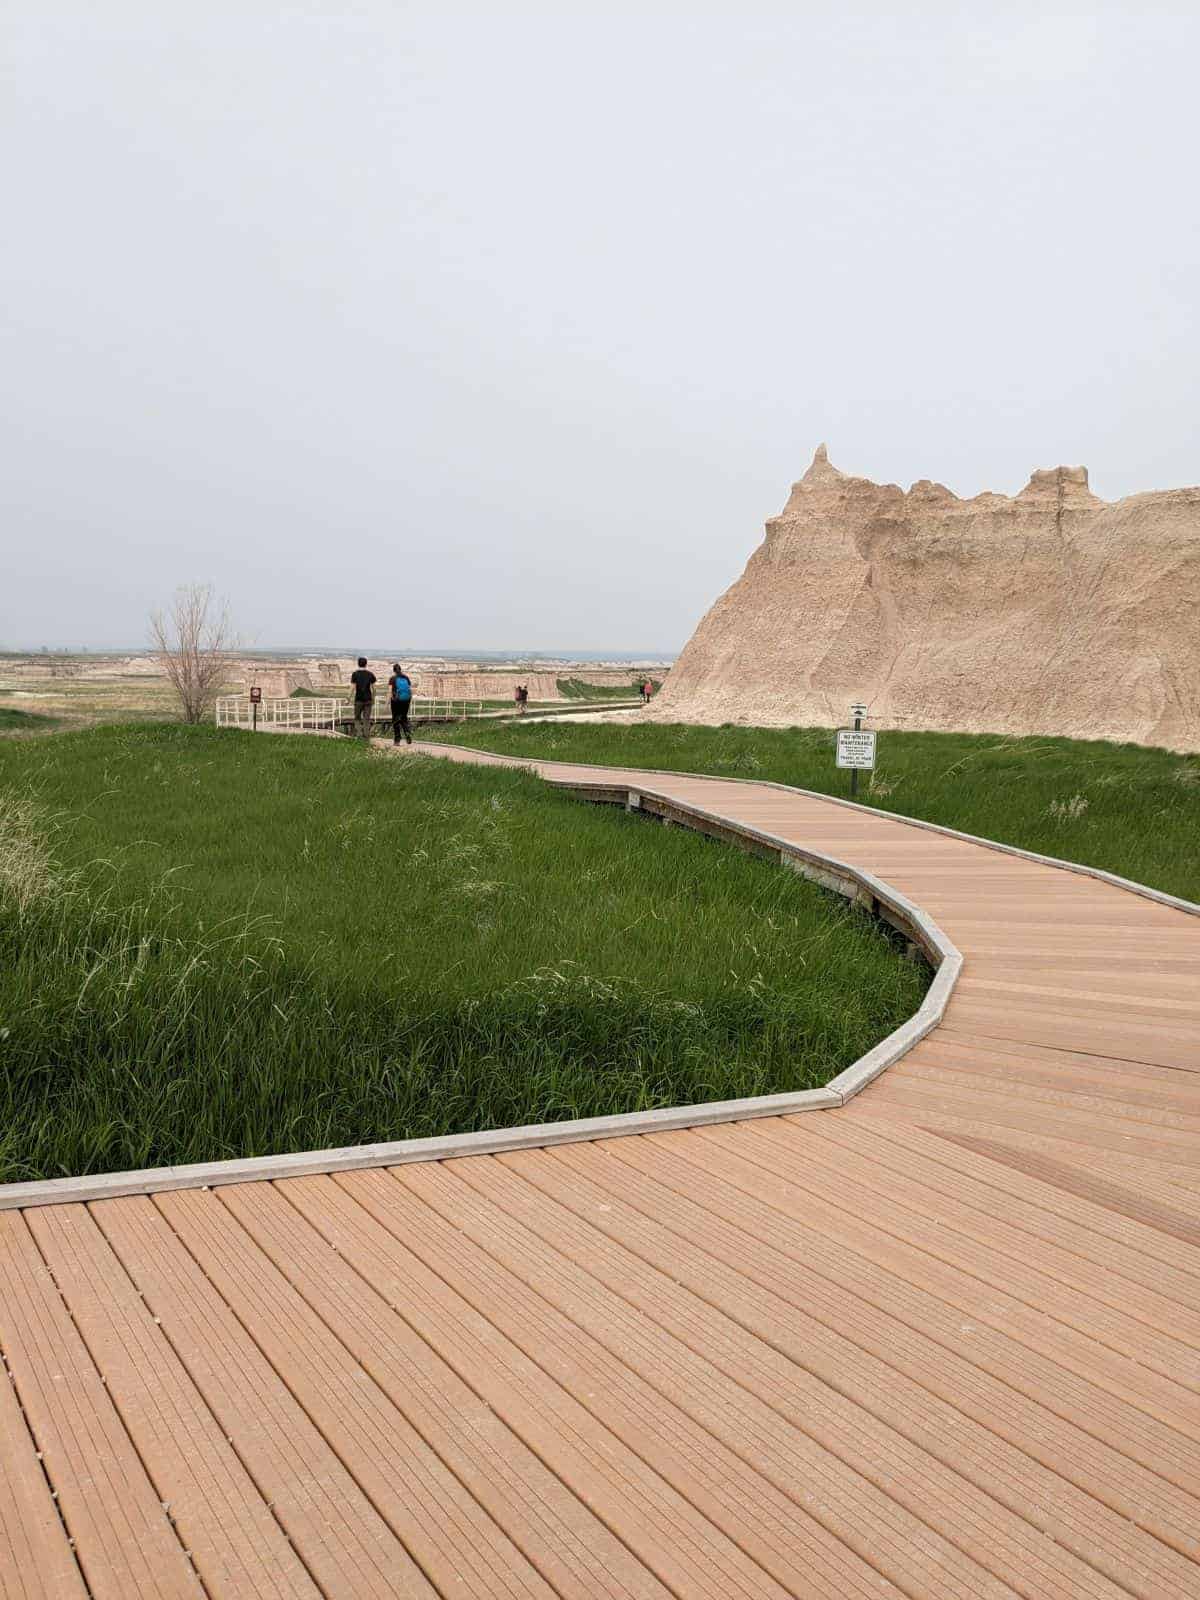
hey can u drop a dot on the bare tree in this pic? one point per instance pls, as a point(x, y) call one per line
point(193, 643)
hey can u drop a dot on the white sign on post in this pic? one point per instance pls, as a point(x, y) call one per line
point(856, 748)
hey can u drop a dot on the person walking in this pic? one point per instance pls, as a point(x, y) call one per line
point(400, 690)
point(647, 691)
point(364, 697)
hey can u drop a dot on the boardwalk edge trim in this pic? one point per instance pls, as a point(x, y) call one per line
point(854, 883)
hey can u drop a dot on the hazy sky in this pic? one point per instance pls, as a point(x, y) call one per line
point(508, 324)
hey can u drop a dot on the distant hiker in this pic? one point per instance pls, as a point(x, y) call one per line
point(400, 690)
point(647, 691)
point(522, 698)
point(364, 697)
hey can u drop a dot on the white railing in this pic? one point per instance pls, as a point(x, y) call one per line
point(311, 712)
point(428, 708)
point(237, 711)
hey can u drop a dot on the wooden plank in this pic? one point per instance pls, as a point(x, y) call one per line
point(124, 1540)
point(1130, 1039)
point(795, 1498)
point(36, 1560)
point(1134, 1082)
point(1159, 1171)
point(342, 1540)
point(975, 1225)
point(235, 1543)
point(1039, 1291)
point(811, 1330)
point(1042, 1159)
point(887, 1271)
point(1121, 1107)
point(676, 1531)
point(1173, 1014)
point(1137, 1253)
point(476, 1506)
point(761, 1403)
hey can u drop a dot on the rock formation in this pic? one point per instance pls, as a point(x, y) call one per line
point(1050, 612)
point(477, 684)
point(276, 683)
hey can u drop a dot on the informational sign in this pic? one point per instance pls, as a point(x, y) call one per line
point(255, 696)
point(856, 748)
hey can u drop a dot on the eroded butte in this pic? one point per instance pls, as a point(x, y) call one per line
point(1048, 612)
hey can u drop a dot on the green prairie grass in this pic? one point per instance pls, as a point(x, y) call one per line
point(216, 944)
point(14, 721)
point(1131, 810)
point(577, 689)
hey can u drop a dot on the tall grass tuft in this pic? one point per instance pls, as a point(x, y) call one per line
point(27, 872)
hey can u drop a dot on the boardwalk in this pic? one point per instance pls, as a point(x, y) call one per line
point(941, 1342)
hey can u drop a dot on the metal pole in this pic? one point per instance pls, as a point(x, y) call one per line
point(254, 705)
point(854, 770)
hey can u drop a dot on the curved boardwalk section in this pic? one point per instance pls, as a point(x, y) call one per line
point(939, 1342)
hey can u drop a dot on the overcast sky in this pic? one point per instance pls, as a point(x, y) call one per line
point(506, 325)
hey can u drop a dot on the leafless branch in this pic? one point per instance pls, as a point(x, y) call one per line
point(193, 642)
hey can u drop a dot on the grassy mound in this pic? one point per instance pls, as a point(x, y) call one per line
point(214, 944)
point(14, 721)
point(1123, 807)
point(577, 689)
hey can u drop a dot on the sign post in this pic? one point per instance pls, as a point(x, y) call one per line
point(255, 698)
point(856, 747)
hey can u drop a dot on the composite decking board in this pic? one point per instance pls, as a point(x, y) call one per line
point(1100, 1240)
point(124, 1540)
point(1180, 1129)
point(845, 1501)
point(690, 1551)
point(1152, 976)
point(747, 1391)
point(767, 1444)
point(1078, 1181)
point(343, 1541)
point(957, 1456)
point(926, 1213)
point(1131, 1088)
point(787, 1534)
point(1066, 1031)
point(36, 1561)
point(1104, 1345)
point(1127, 1157)
point(904, 1322)
point(439, 1467)
point(839, 1306)
point(1173, 1016)
point(1119, 1401)
point(1167, 1256)
point(235, 1543)
point(1122, 970)
point(1169, 1017)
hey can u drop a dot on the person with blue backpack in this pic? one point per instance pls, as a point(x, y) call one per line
point(400, 690)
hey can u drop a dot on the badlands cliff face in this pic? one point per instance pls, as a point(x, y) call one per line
point(1051, 612)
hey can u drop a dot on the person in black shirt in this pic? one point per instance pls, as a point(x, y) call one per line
point(364, 697)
